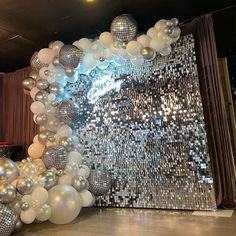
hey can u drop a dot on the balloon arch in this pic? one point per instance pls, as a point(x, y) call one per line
point(56, 173)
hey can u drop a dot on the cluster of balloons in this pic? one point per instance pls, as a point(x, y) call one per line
point(54, 182)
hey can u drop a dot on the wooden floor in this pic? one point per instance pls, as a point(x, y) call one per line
point(136, 222)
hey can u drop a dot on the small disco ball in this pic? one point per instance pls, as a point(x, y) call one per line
point(99, 181)
point(55, 156)
point(70, 56)
point(124, 28)
point(35, 63)
point(67, 112)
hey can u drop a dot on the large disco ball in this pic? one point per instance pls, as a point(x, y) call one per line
point(70, 56)
point(35, 63)
point(124, 28)
point(55, 156)
point(67, 112)
point(99, 181)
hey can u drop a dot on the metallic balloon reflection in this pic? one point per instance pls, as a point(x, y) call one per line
point(8, 170)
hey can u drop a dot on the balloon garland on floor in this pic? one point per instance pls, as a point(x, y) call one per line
point(55, 181)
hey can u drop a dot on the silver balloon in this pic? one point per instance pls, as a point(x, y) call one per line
point(35, 63)
point(28, 83)
point(49, 178)
point(8, 220)
point(25, 206)
point(70, 56)
point(24, 185)
point(99, 181)
point(67, 112)
point(41, 119)
point(33, 74)
point(7, 193)
point(46, 136)
point(124, 28)
point(16, 204)
point(175, 21)
point(41, 96)
point(148, 53)
point(55, 88)
point(8, 170)
point(175, 32)
point(18, 226)
point(80, 183)
point(55, 156)
point(69, 72)
point(67, 143)
point(42, 84)
point(55, 61)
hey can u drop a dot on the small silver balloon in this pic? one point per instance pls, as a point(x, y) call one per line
point(46, 72)
point(55, 61)
point(16, 204)
point(124, 28)
point(41, 96)
point(169, 23)
point(70, 56)
point(28, 83)
point(7, 193)
point(69, 72)
point(18, 226)
point(175, 32)
point(25, 206)
point(55, 88)
point(24, 185)
point(60, 173)
point(33, 74)
point(55, 156)
point(148, 53)
point(101, 59)
point(175, 21)
point(41, 119)
point(8, 170)
point(8, 220)
point(67, 143)
point(42, 84)
point(80, 183)
point(49, 178)
point(35, 63)
point(45, 136)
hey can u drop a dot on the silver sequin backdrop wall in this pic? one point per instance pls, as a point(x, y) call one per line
point(151, 134)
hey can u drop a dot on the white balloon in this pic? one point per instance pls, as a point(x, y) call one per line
point(64, 131)
point(160, 25)
point(65, 180)
point(137, 60)
point(42, 72)
point(84, 171)
point(37, 107)
point(166, 51)
point(46, 55)
point(86, 197)
point(152, 32)
point(83, 44)
point(44, 213)
point(56, 46)
point(35, 139)
point(106, 39)
point(75, 157)
point(35, 150)
point(40, 194)
point(33, 92)
point(28, 216)
point(144, 40)
point(157, 44)
point(89, 61)
point(133, 48)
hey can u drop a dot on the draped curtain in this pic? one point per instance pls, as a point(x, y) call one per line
point(219, 141)
point(16, 119)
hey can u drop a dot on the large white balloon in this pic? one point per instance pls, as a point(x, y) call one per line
point(57, 45)
point(46, 55)
point(152, 32)
point(106, 39)
point(37, 107)
point(28, 216)
point(65, 204)
point(35, 150)
point(40, 194)
point(144, 40)
point(86, 197)
point(133, 48)
point(83, 43)
point(157, 44)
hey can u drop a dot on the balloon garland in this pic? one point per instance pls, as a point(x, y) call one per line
point(55, 181)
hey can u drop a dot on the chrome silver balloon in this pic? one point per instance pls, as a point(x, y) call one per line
point(24, 185)
point(8, 170)
point(124, 28)
point(18, 226)
point(80, 183)
point(55, 88)
point(69, 72)
point(42, 84)
point(55, 61)
point(67, 143)
point(49, 178)
point(41, 119)
point(7, 193)
point(25, 206)
point(28, 83)
point(175, 21)
point(148, 53)
point(45, 136)
point(41, 96)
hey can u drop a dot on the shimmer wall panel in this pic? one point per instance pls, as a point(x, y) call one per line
point(148, 129)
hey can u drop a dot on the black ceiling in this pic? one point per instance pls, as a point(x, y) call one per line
point(29, 25)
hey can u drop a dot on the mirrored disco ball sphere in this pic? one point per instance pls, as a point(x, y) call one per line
point(124, 28)
point(55, 156)
point(35, 63)
point(67, 112)
point(99, 181)
point(70, 56)
point(8, 220)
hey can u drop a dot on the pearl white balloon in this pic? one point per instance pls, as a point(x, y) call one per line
point(75, 157)
point(56, 46)
point(33, 92)
point(157, 44)
point(40, 194)
point(28, 216)
point(35, 150)
point(106, 39)
point(133, 48)
point(160, 25)
point(43, 213)
point(152, 32)
point(46, 55)
point(84, 171)
point(144, 40)
point(64, 131)
point(37, 107)
point(86, 197)
point(65, 204)
point(83, 44)
point(65, 180)
point(89, 61)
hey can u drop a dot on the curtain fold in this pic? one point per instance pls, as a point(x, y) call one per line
point(219, 141)
point(16, 119)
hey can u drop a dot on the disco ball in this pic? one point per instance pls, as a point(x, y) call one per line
point(55, 156)
point(67, 112)
point(35, 63)
point(70, 56)
point(99, 181)
point(124, 28)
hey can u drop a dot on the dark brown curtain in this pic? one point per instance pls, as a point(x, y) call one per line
point(16, 119)
point(220, 148)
